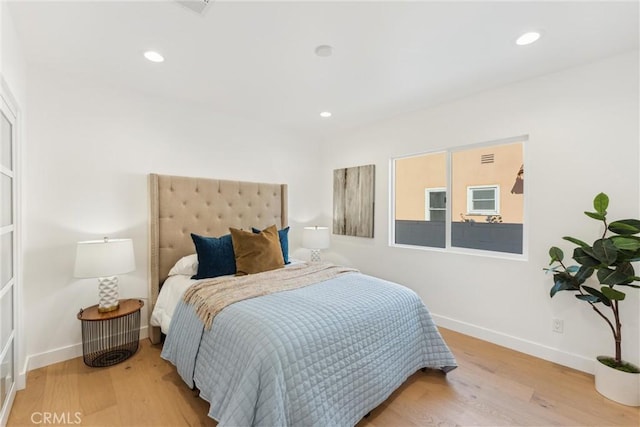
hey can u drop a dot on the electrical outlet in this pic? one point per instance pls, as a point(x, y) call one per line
point(557, 326)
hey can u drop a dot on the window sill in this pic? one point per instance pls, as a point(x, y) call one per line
point(465, 251)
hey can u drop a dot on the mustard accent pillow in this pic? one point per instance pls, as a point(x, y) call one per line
point(256, 252)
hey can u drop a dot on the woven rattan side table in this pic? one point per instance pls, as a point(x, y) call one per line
point(112, 337)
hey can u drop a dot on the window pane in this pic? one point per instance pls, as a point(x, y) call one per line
point(6, 258)
point(476, 212)
point(6, 149)
point(6, 374)
point(6, 317)
point(438, 215)
point(488, 194)
point(6, 200)
point(484, 205)
point(437, 199)
point(415, 179)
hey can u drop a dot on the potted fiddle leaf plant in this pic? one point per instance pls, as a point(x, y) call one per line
point(610, 258)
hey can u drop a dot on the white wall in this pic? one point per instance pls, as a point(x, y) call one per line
point(583, 129)
point(91, 145)
point(90, 148)
point(12, 63)
point(13, 73)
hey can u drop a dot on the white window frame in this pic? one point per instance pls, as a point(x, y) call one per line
point(496, 199)
point(427, 201)
point(524, 140)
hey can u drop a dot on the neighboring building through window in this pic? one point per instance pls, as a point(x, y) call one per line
point(414, 176)
point(469, 197)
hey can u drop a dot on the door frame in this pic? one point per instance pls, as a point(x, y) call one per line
point(9, 107)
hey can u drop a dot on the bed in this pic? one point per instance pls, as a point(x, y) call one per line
point(322, 353)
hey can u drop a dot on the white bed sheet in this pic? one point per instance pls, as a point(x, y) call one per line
point(170, 294)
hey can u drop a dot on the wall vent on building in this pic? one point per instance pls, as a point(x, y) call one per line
point(486, 158)
point(197, 6)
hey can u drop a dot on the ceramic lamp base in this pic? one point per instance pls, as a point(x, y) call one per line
point(108, 293)
point(315, 255)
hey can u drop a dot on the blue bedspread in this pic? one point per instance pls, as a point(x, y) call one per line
point(322, 355)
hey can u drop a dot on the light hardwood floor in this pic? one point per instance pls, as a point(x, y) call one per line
point(492, 386)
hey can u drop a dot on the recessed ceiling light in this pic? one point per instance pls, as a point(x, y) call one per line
point(325, 114)
point(153, 56)
point(527, 38)
point(324, 50)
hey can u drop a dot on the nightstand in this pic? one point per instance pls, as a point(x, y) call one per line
point(112, 337)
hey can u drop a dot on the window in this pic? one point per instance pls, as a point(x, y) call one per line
point(483, 200)
point(435, 204)
point(415, 178)
point(452, 199)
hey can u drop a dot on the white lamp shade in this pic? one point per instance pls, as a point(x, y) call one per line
point(104, 258)
point(315, 237)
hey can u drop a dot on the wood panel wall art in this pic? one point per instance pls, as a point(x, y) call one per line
point(353, 201)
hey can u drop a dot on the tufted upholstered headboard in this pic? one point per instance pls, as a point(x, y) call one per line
point(180, 206)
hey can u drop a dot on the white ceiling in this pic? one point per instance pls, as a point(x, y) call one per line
point(256, 60)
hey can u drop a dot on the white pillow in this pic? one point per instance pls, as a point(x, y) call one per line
point(186, 266)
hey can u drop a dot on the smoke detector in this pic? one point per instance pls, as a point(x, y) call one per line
point(197, 6)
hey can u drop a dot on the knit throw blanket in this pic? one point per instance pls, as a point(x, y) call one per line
point(211, 296)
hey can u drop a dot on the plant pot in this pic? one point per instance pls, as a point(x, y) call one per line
point(619, 386)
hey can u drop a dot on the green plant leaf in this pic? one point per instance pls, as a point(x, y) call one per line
point(605, 251)
point(607, 276)
point(612, 294)
point(596, 293)
point(595, 215)
point(623, 273)
point(601, 203)
point(625, 227)
point(628, 269)
point(635, 257)
point(589, 298)
point(583, 274)
point(576, 241)
point(573, 268)
point(626, 243)
point(556, 254)
point(563, 276)
point(561, 285)
point(583, 258)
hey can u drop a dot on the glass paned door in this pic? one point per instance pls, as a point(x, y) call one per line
point(6, 133)
point(7, 259)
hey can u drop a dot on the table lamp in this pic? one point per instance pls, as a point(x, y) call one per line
point(315, 238)
point(104, 259)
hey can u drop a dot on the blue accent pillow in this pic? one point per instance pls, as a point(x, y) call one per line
point(215, 256)
point(283, 235)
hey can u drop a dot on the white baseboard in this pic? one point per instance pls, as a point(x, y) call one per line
point(35, 361)
point(542, 351)
point(21, 381)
